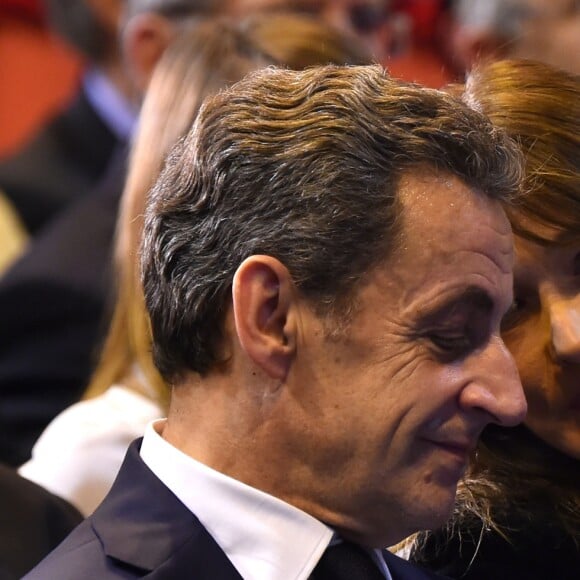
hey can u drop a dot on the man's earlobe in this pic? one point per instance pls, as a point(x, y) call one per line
point(145, 38)
point(264, 313)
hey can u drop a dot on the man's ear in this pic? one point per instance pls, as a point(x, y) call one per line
point(145, 38)
point(264, 313)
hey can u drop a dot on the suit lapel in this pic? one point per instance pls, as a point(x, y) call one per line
point(200, 558)
point(142, 525)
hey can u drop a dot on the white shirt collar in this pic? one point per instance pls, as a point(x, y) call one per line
point(111, 106)
point(264, 537)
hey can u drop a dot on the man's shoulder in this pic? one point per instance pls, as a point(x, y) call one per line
point(90, 550)
point(79, 556)
point(141, 528)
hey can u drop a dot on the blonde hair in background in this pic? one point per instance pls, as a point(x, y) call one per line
point(205, 58)
point(13, 235)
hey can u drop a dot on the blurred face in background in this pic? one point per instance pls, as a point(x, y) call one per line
point(543, 333)
point(366, 19)
point(544, 30)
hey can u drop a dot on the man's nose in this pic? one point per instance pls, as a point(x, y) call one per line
point(565, 327)
point(496, 388)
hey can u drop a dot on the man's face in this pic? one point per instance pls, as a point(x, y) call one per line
point(384, 417)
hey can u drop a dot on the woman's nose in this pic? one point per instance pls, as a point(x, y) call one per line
point(565, 327)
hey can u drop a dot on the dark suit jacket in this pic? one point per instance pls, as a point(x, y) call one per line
point(52, 305)
point(142, 530)
point(32, 523)
point(60, 164)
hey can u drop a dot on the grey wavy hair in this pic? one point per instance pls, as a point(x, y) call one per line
point(302, 166)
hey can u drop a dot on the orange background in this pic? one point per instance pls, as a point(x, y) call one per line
point(38, 74)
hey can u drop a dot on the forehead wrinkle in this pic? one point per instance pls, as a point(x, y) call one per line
point(439, 298)
point(458, 276)
point(506, 268)
point(497, 249)
point(493, 225)
point(424, 233)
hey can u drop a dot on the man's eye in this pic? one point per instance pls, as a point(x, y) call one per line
point(452, 344)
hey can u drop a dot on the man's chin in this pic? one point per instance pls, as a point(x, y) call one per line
point(433, 512)
point(428, 515)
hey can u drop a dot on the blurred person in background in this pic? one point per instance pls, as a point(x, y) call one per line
point(518, 510)
point(40, 80)
point(79, 454)
point(418, 48)
point(366, 20)
point(544, 30)
point(403, 35)
point(70, 154)
point(52, 299)
point(32, 523)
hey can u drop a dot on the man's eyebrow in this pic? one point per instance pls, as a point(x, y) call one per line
point(470, 298)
